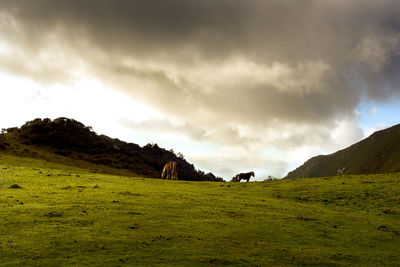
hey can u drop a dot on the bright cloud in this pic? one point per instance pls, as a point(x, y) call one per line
point(260, 84)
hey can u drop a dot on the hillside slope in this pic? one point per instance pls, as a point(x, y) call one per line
point(379, 153)
point(56, 217)
point(68, 138)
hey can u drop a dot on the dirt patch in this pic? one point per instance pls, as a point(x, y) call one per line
point(389, 211)
point(396, 233)
point(218, 262)
point(15, 186)
point(66, 187)
point(127, 193)
point(382, 228)
point(306, 219)
point(135, 226)
point(53, 214)
point(232, 214)
point(134, 213)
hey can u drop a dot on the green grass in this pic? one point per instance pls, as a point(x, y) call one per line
point(57, 218)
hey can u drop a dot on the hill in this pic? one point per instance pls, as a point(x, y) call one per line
point(52, 215)
point(379, 153)
point(62, 139)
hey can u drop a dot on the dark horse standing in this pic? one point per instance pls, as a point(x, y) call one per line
point(244, 176)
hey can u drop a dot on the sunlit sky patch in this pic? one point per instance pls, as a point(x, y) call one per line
point(376, 116)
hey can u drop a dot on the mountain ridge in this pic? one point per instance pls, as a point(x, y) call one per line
point(378, 153)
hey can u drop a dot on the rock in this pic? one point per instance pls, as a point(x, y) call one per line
point(15, 186)
point(341, 171)
point(95, 186)
point(382, 228)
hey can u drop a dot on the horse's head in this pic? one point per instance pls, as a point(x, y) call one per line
point(252, 174)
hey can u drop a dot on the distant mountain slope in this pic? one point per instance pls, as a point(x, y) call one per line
point(70, 138)
point(379, 153)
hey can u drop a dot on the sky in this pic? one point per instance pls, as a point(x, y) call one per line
point(234, 85)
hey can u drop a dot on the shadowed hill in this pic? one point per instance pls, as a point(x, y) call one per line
point(379, 153)
point(70, 138)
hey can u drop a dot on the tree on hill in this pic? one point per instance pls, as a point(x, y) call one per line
point(68, 137)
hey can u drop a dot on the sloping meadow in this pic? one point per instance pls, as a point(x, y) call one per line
point(58, 215)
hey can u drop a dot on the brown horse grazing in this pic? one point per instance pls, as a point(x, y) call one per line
point(244, 176)
point(170, 171)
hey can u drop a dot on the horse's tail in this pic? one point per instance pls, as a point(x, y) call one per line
point(237, 178)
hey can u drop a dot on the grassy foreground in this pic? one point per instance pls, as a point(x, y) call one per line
point(58, 218)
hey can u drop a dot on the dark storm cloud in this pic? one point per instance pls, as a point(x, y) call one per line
point(132, 26)
point(222, 62)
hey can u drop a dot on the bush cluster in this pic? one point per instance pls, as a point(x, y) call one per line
point(71, 138)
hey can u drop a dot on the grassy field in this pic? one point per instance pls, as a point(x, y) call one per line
point(58, 218)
